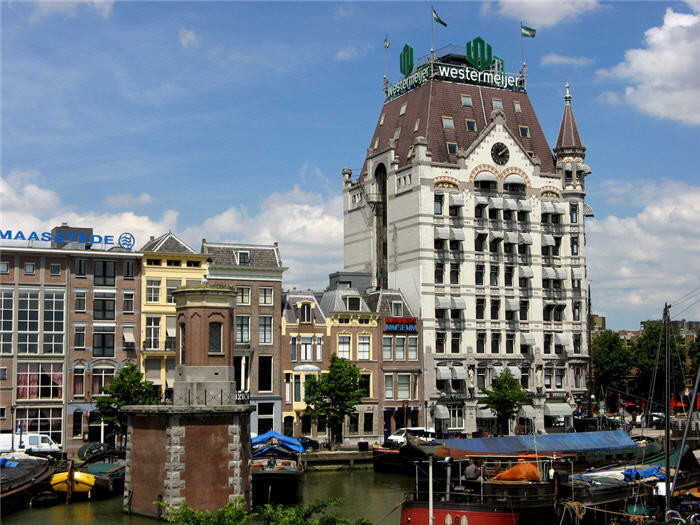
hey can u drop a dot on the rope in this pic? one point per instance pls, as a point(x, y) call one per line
point(580, 509)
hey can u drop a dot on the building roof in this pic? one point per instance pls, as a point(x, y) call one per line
point(568, 131)
point(228, 255)
point(444, 99)
point(167, 243)
point(380, 302)
point(291, 312)
point(334, 300)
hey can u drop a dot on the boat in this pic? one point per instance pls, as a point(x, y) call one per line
point(21, 475)
point(109, 477)
point(82, 482)
point(276, 469)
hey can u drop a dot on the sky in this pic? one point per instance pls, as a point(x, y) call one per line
point(233, 121)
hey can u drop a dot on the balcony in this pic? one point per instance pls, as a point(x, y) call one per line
point(457, 325)
point(555, 229)
point(443, 324)
point(551, 293)
point(442, 255)
point(525, 259)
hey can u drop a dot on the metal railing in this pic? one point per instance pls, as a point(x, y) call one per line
point(214, 397)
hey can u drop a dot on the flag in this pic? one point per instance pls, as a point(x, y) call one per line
point(437, 18)
point(386, 41)
point(527, 32)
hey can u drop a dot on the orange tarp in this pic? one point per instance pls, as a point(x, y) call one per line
point(519, 472)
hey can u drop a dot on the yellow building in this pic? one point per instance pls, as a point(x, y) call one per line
point(168, 263)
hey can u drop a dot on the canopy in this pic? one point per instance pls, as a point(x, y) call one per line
point(578, 272)
point(585, 168)
point(515, 372)
point(457, 234)
point(272, 439)
point(514, 178)
point(561, 273)
point(561, 208)
point(459, 372)
point(481, 200)
point(307, 368)
point(547, 207)
point(442, 233)
point(527, 338)
point(525, 271)
point(512, 305)
point(443, 373)
point(524, 206)
point(129, 334)
point(486, 176)
point(547, 240)
point(510, 204)
point(442, 302)
point(457, 303)
point(558, 409)
point(456, 200)
point(587, 210)
point(561, 339)
point(548, 273)
point(524, 238)
point(511, 237)
point(528, 412)
point(441, 412)
point(545, 443)
point(496, 202)
point(484, 413)
point(496, 235)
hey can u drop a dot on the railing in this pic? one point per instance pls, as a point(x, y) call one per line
point(214, 397)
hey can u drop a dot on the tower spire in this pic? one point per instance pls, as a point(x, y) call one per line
point(569, 140)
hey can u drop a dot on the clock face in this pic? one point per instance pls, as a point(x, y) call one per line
point(499, 153)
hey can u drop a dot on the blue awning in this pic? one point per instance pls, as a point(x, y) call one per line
point(273, 438)
point(544, 443)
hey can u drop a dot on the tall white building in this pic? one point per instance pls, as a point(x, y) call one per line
point(462, 205)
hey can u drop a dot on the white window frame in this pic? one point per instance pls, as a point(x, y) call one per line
point(53, 338)
point(496, 105)
point(80, 294)
point(79, 328)
point(403, 109)
point(7, 314)
point(416, 125)
point(4, 267)
point(51, 268)
point(153, 291)
point(450, 121)
point(345, 352)
point(306, 348)
point(153, 333)
point(242, 340)
point(396, 312)
point(389, 393)
point(410, 340)
point(28, 338)
point(132, 293)
point(399, 396)
point(243, 295)
point(247, 254)
point(400, 344)
point(390, 347)
point(527, 132)
point(33, 267)
point(516, 106)
point(265, 338)
point(362, 340)
point(262, 293)
point(319, 348)
point(100, 372)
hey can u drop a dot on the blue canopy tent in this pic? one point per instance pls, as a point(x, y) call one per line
point(273, 441)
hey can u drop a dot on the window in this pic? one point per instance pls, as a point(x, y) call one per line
point(389, 386)
point(516, 106)
point(509, 275)
point(29, 268)
point(403, 386)
point(153, 262)
point(79, 336)
point(28, 322)
point(574, 245)
point(153, 290)
point(495, 343)
point(397, 308)
point(344, 346)
point(397, 133)
point(525, 377)
point(497, 103)
point(364, 384)
point(440, 342)
point(265, 373)
point(80, 296)
point(510, 343)
point(104, 273)
point(466, 100)
point(4, 267)
point(79, 382)
point(456, 417)
point(470, 124)
point(577, 343)
point(6, 314)
point(451, 148)
point(524, 132)
point(152, 333)
point(480, 307)
point(103, 306)
point(376, 143)
point(265, 330)
point(297, 388)
point(454, 274)
point(101, 379)
point(173, 262)
point(438, 202)
point(3, 374)
point(455, 343)
point(495, 308)
point(55, 269)
point(39, 380)
point(243, 257)
point(480, 342)
point(412, 348)
point(387, 348)
point(448, 123)
point(47, 420)
point(524, 306)
point(103, 341)
point(415, 126)
point(306, 348)
point(363, 350)
point(305, 314)
point(81, 267)
point(493, 275)
point(481, 378)
point(243, 295)
point(403, 108)
point(194, 264)
point(577, 311)
point(479, 275)
point(170, 286)
point(77, 424)
point(128, 301)
point(53, 322)
point(183, 343)
point(558, 378)
point(215, 338)
point(353, 304)
point(128, 269)
point(319, 348)
point(265, 296)
point(368, 422)
point(547, 344)
point(576, 284)
point(400, 348)
point(573, 213)
point(353, 423)
point(381, 119)
point(242, 329)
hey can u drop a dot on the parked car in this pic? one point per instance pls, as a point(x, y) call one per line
point(398, 438)
point(28, 442)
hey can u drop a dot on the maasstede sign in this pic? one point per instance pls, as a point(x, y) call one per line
point(125, 240)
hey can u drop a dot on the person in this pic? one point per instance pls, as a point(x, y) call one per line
point(470, 471)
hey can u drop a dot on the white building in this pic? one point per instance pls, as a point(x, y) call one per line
point(462, 205)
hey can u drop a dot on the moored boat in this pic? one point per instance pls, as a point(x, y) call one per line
point(82, 482)
point(276, 469)
point(20, 477)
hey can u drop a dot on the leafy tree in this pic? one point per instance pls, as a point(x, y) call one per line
point(335, 394)
point(610, 360)
point(505, 398)
point(314, 514)
point(127, 388)
point(233, 513)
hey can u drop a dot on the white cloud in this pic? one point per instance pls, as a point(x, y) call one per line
point(352, 52)
point(545, 13)
point(640, 261)
point(124, 200)
point(661, 78)
point(555, 59)
point(188, 38)
point(69, 8)
point(610, 97)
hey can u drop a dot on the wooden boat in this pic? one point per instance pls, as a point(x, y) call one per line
point(82, 482)
point(276, 469)
point(20, 477)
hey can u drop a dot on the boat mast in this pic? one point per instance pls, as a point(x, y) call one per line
point(667, 407)
point(430, 490)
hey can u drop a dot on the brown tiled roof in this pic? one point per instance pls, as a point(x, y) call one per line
point(568, 132)
point(167, 243)
point(226, 256)
point(445, 100)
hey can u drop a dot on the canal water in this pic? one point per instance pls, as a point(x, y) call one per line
point(364, 493)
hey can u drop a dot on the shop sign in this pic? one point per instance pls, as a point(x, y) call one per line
point(401, 324)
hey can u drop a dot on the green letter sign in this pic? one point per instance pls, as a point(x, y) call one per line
point(406, 60)
point(479, 53)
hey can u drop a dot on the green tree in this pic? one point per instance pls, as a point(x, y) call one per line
point(334, 394)
point(505, 398)
point(233, 513)
point(318, 513)
point(127, 388)
point(610, 361)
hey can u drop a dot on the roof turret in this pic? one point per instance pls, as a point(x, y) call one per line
point(569, 139)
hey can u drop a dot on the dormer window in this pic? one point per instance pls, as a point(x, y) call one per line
point(516, 106)
point(466, 100)
point(381, 119)
point(397, 308)
point(448, 123)
point(353, 304)
point(243, 257)
point(524, 132)
point(397, 133)
point(305, 313)
point(470, 124)
point(403, 109)
point(452, 148)
point(376, 143)
point(497, 103)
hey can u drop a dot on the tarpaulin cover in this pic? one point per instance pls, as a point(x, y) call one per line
point(632, 474)
point(519, 472)
point(272, 438)
point(574, 442)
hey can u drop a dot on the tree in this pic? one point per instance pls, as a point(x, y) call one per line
point(233, 513)
point(334, 394)
point(318, 513)
point(127, 388)
point(610, 360)
point(505, 398)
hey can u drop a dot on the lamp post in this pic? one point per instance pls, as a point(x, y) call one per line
point(12, 422)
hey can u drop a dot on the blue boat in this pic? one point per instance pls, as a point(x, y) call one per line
point(276, 469)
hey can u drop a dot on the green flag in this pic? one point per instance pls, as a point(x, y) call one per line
point(386, 41)
point(527, 32)
point(437, 18)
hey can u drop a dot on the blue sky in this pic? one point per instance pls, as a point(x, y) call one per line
point(231, 120)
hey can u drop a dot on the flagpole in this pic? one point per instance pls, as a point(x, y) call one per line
point(432, 40)
point(522, 45)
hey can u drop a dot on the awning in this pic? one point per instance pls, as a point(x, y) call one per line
point(496, 202)
point(558, 409)
point(561, 273)
point(515, 372)
point(584, 168)
point(511, 237)
point(457, 303)
point(170, 326)
point(496, 235)
point(456, 200)
point(527, 339)
point(528, 412)
point(513, 178)
point(524, 206)
point(512, 305)
point(510, 204)
point(548, 273)
point(129, 335)
point(441, 412)
point(443, 372)
point(547, 240)
point(525, 271)
point(442, 233)
point(547, 207)
point(486, 176)
point(578, 272)
point(457, 234)
point(587, 210)
point(524, 238)
point(442, 302)
point(481, 200)
point(561, 208)
point(561, 339)
point(459, 373)
point(485, 413)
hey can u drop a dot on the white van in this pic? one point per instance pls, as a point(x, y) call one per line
point(398, 438)
point(34, 442)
